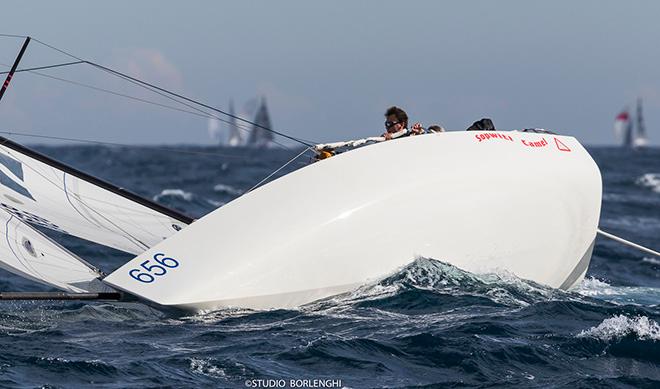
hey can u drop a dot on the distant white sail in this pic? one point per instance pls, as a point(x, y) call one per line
point(28, 253)
point(234, 139)
point(214, 130)
point(640, 139)
point(41, 191)
point(623, 128)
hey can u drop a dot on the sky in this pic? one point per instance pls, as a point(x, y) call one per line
point(329, 70)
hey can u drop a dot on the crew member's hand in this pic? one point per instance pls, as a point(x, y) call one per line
point(387, 136)
point(417, 129)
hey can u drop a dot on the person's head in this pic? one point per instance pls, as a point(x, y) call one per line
point(436, 128)
point(396, 119)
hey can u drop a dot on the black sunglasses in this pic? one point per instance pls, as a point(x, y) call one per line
point(389, 124)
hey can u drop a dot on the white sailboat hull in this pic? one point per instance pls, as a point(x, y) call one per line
point(524, 203)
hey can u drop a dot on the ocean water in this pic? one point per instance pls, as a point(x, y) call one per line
point(427, 325)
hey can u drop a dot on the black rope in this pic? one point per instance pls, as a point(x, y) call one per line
point(181, 102)
point(13, 36)
point(199, 103)
point(199, 112)
point(121, 144)
point(139, 83)
point(203, 114)
point(154, 87)
point(46, 67)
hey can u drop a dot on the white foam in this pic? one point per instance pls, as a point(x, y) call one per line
point(205, 367)
point(594, 287)
point(650, 180)
point(620, 326)
point(180, 193)
point(615, 197)
point(216, 204)
point(230, 190)
point(651, 260)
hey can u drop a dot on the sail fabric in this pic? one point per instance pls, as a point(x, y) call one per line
point(623, 127)
point(44, 192)
point(259, 136)
point(640, 137)
point(234, 138)
point(28, 253)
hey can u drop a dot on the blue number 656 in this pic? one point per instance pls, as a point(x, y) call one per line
point(147, 270)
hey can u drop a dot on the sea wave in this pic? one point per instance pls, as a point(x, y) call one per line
point(176, 193)
point(427, 285)
point(207, 368)
point(620, 295)
point(181, 199)
point(227, 189)
point(652, 260)
point(621, 326)
point(650, 180)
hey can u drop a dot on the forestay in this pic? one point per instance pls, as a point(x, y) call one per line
point(28, 253)
point(42, 191)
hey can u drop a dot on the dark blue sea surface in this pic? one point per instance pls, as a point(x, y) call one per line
point(427, 325)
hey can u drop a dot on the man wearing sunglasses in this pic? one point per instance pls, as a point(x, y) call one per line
point(396, 124)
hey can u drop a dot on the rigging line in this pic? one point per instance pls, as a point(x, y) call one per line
point(136, 241)
point(202, 114)
point(201, 104)
point(165, 95)
point(122, 95)
point(46, 67)
point(13, 36)
point(154, 88)
point(278, 169)
point(123, 145)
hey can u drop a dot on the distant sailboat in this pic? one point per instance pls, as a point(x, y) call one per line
point(234, 137)
point(640, 139)
point(624, 129)
point(259, 136)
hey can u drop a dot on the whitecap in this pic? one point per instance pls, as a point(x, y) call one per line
point(650, 180)
point(227, 189)
point(180, 193)
point(651, 260)
point(621, 326)
point(592, 286)
point(620, 295)
point(216, 204)
point(432, 275)
point(205, 367)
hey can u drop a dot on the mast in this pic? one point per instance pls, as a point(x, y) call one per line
point(13, 68)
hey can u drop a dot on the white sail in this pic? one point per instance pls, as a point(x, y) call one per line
point(28, 253)
point(234, 137)
point(214, 130)
point(623, 128)
point(41, 191)
point(640, 139)
point(259, 135)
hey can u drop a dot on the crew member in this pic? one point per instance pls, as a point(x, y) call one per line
point(396, 124)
